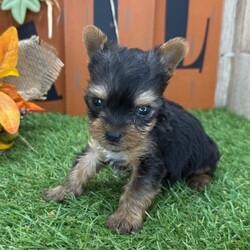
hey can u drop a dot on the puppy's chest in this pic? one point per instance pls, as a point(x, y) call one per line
point(115, 158)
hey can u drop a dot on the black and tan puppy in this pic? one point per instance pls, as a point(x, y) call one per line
point(133, 126)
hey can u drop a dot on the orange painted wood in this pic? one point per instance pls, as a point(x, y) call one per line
point(189, 87)
point(159, 22)
point(77, 14)
point(136, 23)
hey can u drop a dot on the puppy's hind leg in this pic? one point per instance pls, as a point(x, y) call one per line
point(83, 169)
point(200, 179)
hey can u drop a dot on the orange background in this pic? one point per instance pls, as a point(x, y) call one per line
point(141, 24)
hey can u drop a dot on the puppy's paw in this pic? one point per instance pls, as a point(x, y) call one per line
point(199, 182)
point(124, 222)
point(54, 194)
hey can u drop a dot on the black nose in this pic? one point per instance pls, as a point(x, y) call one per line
point(113, 136)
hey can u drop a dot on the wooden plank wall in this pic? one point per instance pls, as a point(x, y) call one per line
point(143, 24)
point(77, 14)
point(194, 83)
point(233, 85)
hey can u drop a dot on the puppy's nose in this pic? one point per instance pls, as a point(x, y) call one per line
point(113, 136)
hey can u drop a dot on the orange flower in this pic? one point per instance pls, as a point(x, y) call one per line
point(9, 113)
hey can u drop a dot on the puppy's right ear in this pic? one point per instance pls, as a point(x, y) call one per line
point(94, 39)
point(172, 52)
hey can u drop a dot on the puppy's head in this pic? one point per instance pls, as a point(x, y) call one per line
point(125, 88)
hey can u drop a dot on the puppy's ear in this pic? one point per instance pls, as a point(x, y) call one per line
point(93, 39)
point(172, 52)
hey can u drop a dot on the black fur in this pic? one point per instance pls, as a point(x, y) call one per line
point(182, 143)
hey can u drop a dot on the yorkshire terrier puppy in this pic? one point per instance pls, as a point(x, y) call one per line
point(131, 125)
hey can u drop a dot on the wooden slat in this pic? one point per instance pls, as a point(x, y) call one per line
point(239, 91)
point(244, 40)
point(77, 14)
point(239, 87)
point(226, 52)
point(136, 23)
point(189, 87)
point(159, 22)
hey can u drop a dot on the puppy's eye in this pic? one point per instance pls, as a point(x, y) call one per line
point(143, 111)
point(98, 102)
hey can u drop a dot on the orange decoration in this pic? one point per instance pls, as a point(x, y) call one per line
point(8, 53)
point(21, 103)
point(9, 114)
point(11, 103)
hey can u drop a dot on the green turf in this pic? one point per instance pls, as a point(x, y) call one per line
point(178, 219)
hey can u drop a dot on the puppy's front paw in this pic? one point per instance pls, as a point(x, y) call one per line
point(124, 222)
point(54, 194)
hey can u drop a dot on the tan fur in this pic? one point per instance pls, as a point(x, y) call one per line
point(137, 198)
point(134, 143)
point(78, 177)
point(172, 52)
point(199, 179)
point(132, 206)
point(201, 171)
point(99, 91)
point(145, 98)
point(94, 39)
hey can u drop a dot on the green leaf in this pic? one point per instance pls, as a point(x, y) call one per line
point(19, 7)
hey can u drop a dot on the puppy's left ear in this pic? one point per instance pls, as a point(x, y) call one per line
point(94, 39)
point(172, 52)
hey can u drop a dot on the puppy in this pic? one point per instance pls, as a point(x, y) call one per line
point(132, 126)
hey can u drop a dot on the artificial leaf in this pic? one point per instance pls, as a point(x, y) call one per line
point(30, 106)
point(4, 146)
point(9, 114)
point(21, 103)
point(8, 53)
point(19, 8)
point(10, 90)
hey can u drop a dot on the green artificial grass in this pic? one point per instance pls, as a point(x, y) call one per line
point(179, 218)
